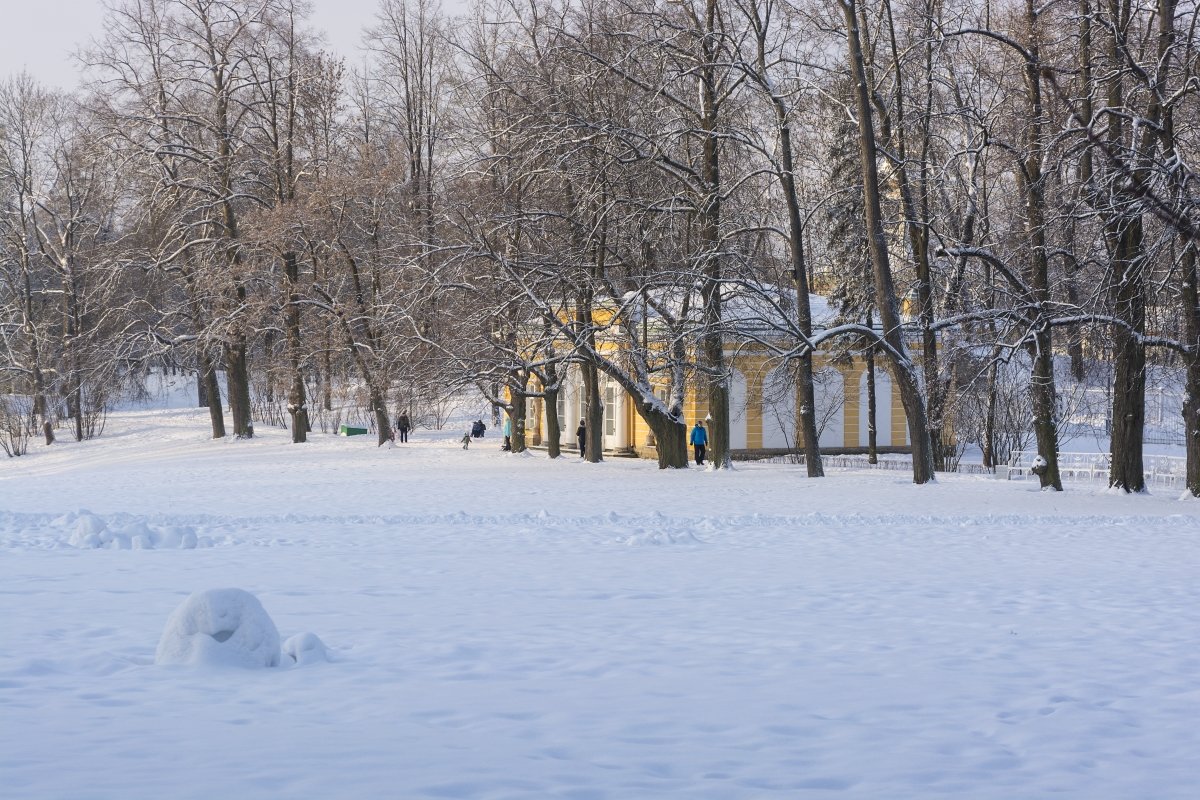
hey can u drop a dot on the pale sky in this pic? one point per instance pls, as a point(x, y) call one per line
point(38, 36)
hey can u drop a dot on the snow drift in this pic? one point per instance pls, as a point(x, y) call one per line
point(305, 648)
point(92, 532)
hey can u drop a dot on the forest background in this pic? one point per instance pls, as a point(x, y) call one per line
point(998, 198)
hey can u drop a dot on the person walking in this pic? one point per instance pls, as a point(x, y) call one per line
point(699, 439)
point(402, 427)
point(507, 432)
point(581, 437)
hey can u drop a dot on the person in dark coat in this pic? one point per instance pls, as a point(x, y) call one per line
point(699, 439)
point(402, 427)
point(477, 429)
point(581, 437)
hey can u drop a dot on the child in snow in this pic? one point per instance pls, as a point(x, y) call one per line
point(466, 440)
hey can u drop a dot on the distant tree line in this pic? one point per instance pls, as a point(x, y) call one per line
point(544, 187)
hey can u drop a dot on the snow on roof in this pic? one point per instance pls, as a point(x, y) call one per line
point(763, 305)
point(748, 306)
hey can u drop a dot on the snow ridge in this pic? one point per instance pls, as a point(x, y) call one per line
point(123, 531)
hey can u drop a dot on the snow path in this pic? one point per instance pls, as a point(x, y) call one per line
point(507, 627)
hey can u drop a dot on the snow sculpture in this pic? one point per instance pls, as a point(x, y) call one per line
point(305, 648)
point(226, 627)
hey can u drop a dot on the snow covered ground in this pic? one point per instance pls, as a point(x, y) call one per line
point(505, 626)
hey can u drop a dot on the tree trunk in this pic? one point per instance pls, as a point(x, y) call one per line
point(270, 375)
point(917, 229)
point(75, 402)
point(594, 411)
point(30, 329)
point(1032, 184)
point(1190, 300)
point(551, 387)
point(518, 409)
point(1043, 396)
point(712, 355)
point(809, 437)
point(1129, 361)
point(39, 389)
point(297, 400)
point(237, 362)
point(383, 422)
point(670, 434)
point(712, 345)
point(989, 418)
point(237, 380)
point(1075, 345)
point(327, 361)
point(70, 363)
point(903, 375)
point(201, 390)
point(553, 432)
point(1126, 237)
point(589, 371)
point(1075, 340)
point(212, 388)
point(206, 372)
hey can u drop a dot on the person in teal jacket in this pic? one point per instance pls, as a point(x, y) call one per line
point(699, 439)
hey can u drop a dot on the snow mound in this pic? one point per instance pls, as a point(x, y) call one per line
point(135, 535)
point(90, 532)
point(180, 537)
point(305, 648)
point(658, 538)
point(220, 627)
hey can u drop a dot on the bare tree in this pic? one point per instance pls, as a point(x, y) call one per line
point(900, 366)
point(766, 67)
point(57, 228)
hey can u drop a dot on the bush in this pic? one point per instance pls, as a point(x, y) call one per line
point(15, 430)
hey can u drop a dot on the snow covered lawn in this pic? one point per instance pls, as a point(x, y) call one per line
point(508, 627)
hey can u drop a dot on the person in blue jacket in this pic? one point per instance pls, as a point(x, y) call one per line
point(699, 439)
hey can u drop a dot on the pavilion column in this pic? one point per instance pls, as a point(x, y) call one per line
point(535, 436)
point(852, 408)
point(754, 408)
point(572, 388)
point(622, 419)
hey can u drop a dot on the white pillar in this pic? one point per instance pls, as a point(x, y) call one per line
point(570, 391)
point(622, 428)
